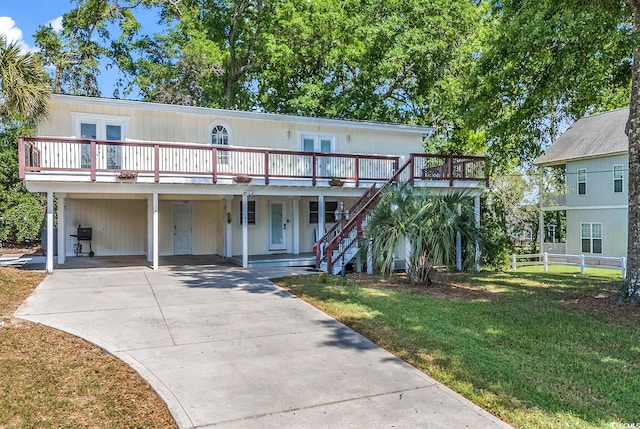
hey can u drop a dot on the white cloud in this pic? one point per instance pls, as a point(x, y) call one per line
point(56, 24)
point(13, 33)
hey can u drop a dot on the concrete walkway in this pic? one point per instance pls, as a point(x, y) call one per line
point(225, 347)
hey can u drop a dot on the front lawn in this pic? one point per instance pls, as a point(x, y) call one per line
point(539, 350)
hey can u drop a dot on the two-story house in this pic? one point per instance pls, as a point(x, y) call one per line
point(593, 153)
point(155, 179)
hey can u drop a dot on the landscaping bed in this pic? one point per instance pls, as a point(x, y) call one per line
point(50, 379)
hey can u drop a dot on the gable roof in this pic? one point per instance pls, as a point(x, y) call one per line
point(589, 137)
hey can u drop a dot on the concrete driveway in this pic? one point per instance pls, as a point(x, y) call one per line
point(225, 347)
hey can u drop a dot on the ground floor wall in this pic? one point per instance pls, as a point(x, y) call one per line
point(614, 230)
point(199, 227)
point(119, 227)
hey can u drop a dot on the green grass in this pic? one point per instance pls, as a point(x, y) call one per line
point(539, 350)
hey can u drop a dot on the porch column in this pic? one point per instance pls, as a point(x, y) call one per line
point(476, 212)
point(407, 253)
point(245, 230)
point(228, 227)
point(149, 228)
point(459, 245)
point(155, 231)
point(296, 226)
point(50, 250)
point(320, 216)
point(541, 225)
point(62, 244)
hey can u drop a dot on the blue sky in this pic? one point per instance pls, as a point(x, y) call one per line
point(19, 20)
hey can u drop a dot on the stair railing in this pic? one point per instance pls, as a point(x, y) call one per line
point(346, 238)
point(334, 231)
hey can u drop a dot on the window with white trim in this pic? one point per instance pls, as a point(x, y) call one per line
point(330, 208)
point(582, 181)
point(220, 133)
point(618, 175)
point(101, 127)
point(252, 218)
point(591, 237)
point(322, 143)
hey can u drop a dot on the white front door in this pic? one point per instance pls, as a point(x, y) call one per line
point(182, 226)
point(277, 226)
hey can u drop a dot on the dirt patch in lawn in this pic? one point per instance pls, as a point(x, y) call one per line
point(49, 378)
point(447, 286)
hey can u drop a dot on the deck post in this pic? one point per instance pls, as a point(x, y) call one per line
point(21, 158)
point(321, 219)
point(149, 228)
point(228, 226)
point(370, 257)
point(296, 225)
point(459, 244)
point(476, 212)
point(155, 231)
point(62, 245)
point(245, 230)
point(50, 250)
point(94, 160)
point(156, 163)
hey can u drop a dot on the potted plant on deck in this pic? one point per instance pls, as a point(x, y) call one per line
point(334, 181)
point(242, 178)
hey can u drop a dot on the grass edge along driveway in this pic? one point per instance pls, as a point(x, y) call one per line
point(538, 350)
point(51, 379)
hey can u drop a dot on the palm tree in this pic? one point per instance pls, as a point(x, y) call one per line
point(24, 83)
point(429, 222)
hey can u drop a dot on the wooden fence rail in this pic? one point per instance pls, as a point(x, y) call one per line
point(582, 261)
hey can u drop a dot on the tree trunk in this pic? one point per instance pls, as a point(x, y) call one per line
point(631, 287)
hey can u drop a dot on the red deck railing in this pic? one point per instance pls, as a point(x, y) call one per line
point(55, 155)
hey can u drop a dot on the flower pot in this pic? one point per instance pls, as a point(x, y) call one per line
point(242, 179)
point(127, 175)
point(336, 182)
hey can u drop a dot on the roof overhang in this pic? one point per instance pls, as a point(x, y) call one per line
point(261, 116)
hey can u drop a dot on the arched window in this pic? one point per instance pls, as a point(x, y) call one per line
point(219, 133)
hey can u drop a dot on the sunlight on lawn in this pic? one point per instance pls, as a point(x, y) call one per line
point(543, 350)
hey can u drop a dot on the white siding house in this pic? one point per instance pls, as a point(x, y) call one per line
point(155, 179)
point(594, 156)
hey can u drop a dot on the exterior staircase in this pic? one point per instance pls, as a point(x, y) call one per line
point(342, 241)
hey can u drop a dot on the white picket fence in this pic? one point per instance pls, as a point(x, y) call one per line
point(582, 261)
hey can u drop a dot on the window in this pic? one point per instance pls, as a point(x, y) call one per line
point(219, 135)
point(582, 181)
point(101, 127)
point(591, 236)
point(617, 177)
point(324, 143)
point(327, 166)
point(220, 132)
point(329, 211)
point(251, 213)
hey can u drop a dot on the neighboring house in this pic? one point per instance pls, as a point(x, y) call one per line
point(155, 179)
point(594, 156)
